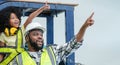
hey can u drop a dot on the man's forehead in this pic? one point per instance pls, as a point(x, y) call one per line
point(36, 30)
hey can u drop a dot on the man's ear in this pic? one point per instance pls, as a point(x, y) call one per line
point(27, 38)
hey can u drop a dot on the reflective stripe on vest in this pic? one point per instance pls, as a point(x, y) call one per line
point(14, 62)
point(19, 41)
point(51, 56)
point(47, 58)
point(10, 57)
point(13, 51)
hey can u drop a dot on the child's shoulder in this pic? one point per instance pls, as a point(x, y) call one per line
point(2, 35)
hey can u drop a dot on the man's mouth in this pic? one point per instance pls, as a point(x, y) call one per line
point(39, 42)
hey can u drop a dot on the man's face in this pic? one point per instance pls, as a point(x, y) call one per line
point(36, 36)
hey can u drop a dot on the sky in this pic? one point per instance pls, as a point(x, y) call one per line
point(101, 44)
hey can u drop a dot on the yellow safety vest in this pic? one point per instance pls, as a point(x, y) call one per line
point(13, 51)
point(47, 58)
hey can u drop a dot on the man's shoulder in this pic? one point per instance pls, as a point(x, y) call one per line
point(51, 45)
point(48, 45)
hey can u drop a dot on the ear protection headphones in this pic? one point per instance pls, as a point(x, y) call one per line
point(10, 32)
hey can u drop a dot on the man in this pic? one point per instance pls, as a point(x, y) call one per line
point(37, 54)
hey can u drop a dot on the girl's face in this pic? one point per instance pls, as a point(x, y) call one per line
point(14, 21)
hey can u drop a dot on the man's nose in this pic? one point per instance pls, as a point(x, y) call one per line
point(40, 36)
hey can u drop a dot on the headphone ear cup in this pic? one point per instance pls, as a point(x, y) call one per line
point(13, 31)
point(7, 31)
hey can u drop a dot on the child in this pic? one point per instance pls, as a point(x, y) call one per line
point(9, 24)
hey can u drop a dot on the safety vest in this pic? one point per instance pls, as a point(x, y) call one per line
point(47, 58)
point(13, 52)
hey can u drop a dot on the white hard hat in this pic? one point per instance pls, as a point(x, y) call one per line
point(33, 25)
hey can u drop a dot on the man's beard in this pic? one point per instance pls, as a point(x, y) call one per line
point(35, 46)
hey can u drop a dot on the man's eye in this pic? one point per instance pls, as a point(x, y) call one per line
point(35, 34)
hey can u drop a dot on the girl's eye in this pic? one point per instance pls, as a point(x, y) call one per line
point(12, 17)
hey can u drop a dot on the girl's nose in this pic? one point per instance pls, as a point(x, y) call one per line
point(17, 19)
